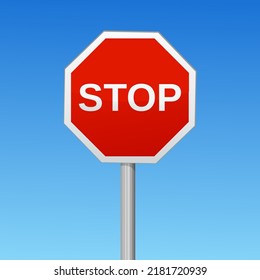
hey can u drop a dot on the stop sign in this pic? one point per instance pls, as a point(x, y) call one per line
point(130, 97)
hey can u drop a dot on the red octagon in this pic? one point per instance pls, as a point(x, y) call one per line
point(129, 97)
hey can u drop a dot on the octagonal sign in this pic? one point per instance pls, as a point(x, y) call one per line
point(130, 97)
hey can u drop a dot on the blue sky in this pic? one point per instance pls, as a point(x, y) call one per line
point(201, 201)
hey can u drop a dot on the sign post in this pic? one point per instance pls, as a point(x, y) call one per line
point(127, 211)
point(129, 97)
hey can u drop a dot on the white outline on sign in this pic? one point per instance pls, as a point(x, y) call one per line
point(126, 35)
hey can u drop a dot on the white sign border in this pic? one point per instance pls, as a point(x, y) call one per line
point(126, 35)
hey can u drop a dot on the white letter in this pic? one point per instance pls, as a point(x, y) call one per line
point(89, 96)
point(163, 98)
point(115, 88)
point(132, 101)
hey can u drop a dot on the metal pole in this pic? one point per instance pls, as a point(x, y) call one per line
point(127, 211)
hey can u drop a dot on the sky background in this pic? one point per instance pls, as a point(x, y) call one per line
point(201, 201)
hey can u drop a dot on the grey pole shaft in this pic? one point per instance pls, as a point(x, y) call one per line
point(127, 211)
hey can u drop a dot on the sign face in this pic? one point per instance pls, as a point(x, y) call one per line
point(130, 97)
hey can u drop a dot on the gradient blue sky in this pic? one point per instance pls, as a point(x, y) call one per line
point(201, 201)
